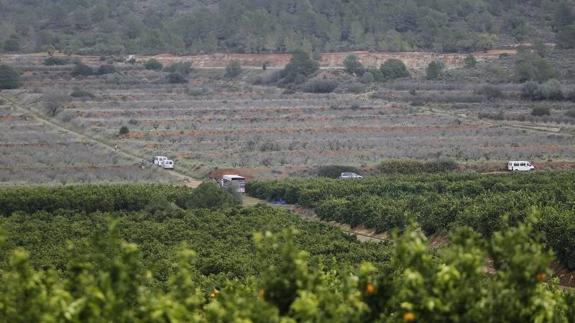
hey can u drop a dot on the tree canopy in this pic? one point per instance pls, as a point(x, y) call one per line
point(254, 26)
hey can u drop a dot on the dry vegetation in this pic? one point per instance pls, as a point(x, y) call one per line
point(215, 122)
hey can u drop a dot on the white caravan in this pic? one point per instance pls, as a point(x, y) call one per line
point(235, 181)
point(159, 160)
point(522, 166)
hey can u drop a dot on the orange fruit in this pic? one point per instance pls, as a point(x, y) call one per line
point(409, 317)
point(262, 294)
point(541, 277)
point(370, 289)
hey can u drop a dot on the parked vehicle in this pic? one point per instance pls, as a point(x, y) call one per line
point(522, 166)
point(168, 164)
point(236, 182)
point(350, 175)
point(159, 160)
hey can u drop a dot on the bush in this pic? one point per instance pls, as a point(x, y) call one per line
point(54, 103)
point(153, 64)
point(393, 69)
point(550, 90)
point(490, 91)
point(434, 70)
point(81, 69)
point(532, 67)
point(233, 69)
point(470, 61)
point(51, 61)
point(570, 113)
point(124, 130)
point(320, 86)
point(541, 111)
point(335, 171)
point(566, 37)
point(106, 69)
point(367, 78)
point(353, 65)
point(300, 67)
point(182, 68)
point(79, 93)
point(414, 166)
point(9, 78)
point(12, 44)
point(176, 78)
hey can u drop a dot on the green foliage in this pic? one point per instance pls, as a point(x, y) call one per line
point(470, 61)
point(124, 130)
point(393, 69)
point(182, 68)
point(81, 69)
point(320, 86)
point(79, 93)
point(233, 69)
point(532, 67)
point(9, 78)
point(12, 44)
point(434, 70)
point(566, 38)
point(353, 65)
point(367, 78)
point(106, 69)
point(550, 90)
point(334, 171)
point(415, 167)
point(440, 203)
point(153, 64)
point(176, 78)
point(300, 67)
point(51, 61)
point(570, 113)
point(541, 111)
point(490, 92)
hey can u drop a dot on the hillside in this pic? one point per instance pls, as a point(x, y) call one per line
point(254, 26)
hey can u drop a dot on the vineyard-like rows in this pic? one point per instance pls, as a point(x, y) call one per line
point(133, 262)
point(439, 203)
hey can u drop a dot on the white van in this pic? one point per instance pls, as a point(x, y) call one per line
point(522, 166)
point(168, 164)
point(159, 160)
point(235, 181)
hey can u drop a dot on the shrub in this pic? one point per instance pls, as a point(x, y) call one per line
point(393, 69)
point(353, 65)
point(367, 78)
point(153, 64)
point(490, 91)
point(566, 37)
point(51, 61)
point(81, 69)
point(182, 68)
point(124, 130)
point(54, 102)
point(532, 67)
point(570, 113)
point(434, 70)
point(320, 86)
point(79, 93)
point(106, 69)
point(12, 44)
point(470, 61)
point(550, 90)
point(300, 67)
point(334, 171)
point(414, 166)
point(176, 78)
point(541, 111)
point(9, 78)
point(233, 69)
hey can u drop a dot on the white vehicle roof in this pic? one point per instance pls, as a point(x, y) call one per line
point(519, 161)
point(232, 177)
point(160, 157)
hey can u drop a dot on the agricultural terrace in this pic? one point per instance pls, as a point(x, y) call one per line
point(440, 203)
point(167, 253)
point(33, 152)
point(212, 121)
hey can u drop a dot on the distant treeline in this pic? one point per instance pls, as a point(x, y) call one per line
point(194, 26)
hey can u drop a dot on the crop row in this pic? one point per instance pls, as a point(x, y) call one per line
point(439, 203)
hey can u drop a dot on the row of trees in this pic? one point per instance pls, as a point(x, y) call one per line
point(122, 26)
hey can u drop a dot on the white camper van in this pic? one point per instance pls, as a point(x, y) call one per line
point(522, 166)
point(168, 164)
point(159, 160)
point(235, 181)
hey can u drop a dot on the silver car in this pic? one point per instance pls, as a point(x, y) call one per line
point(350, 175)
